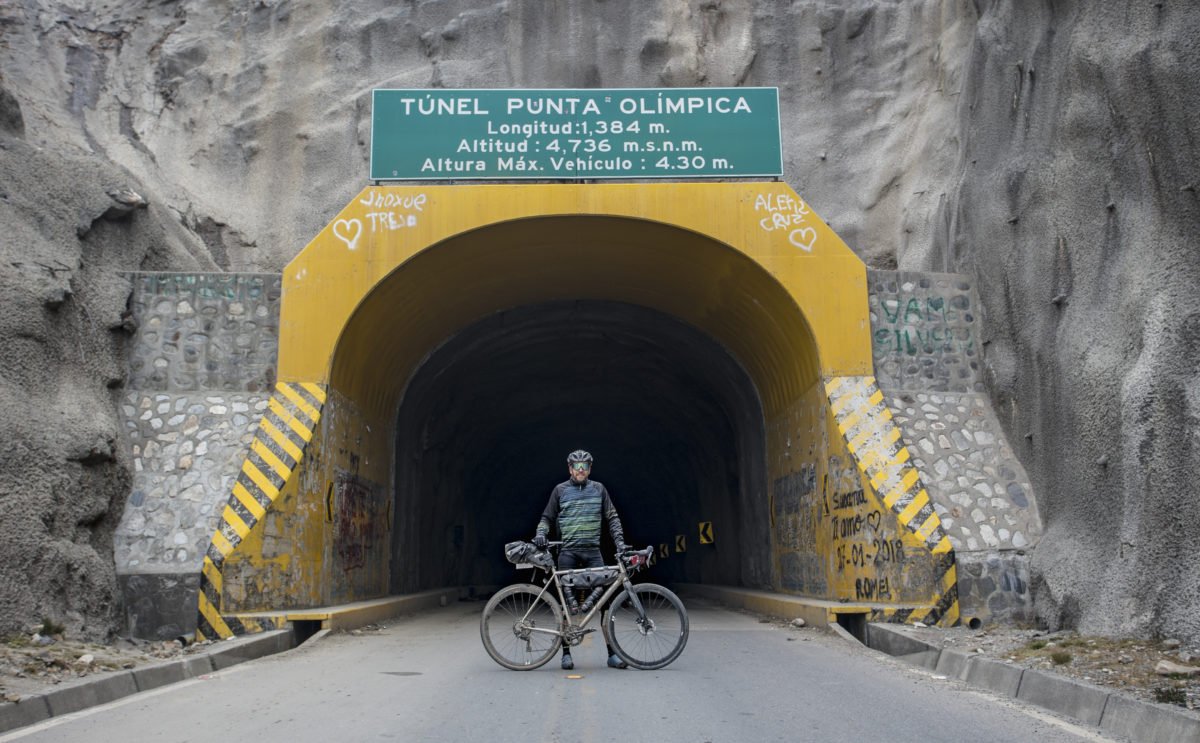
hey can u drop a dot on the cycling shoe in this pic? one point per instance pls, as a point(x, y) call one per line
point(614, 661)
point(568, 663)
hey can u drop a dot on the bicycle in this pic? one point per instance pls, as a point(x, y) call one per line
point(524, 625)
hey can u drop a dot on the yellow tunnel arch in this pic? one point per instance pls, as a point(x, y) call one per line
point(544, 259)
point(402, 269)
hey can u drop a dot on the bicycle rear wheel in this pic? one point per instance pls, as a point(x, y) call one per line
point(514, 627)
point(654, 642)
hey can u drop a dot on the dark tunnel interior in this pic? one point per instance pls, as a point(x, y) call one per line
point(485, 424)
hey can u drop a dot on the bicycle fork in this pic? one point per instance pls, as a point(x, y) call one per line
point(636, 602)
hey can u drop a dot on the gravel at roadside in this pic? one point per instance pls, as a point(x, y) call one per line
point(30, 664)
point(1165, 671)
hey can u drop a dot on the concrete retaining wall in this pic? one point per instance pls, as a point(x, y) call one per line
point(928, 363)
point(201, 369)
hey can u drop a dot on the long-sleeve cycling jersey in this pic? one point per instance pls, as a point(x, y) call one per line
point(577, 509)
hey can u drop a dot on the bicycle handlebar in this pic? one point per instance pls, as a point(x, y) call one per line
point(628, 556)
point(648, 552)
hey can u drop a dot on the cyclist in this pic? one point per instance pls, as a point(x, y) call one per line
point(577, 507)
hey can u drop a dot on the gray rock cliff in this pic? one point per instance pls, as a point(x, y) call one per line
point(1075, 204)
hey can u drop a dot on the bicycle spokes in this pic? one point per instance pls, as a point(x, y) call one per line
point(520, 627)
point(647, 626)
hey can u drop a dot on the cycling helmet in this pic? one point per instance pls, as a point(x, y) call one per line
point(579, 455)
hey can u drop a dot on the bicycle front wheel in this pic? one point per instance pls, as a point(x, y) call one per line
point(520, 628)
point(653, 641)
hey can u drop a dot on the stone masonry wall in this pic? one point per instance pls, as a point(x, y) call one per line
point(202, 367)
point(927, 362)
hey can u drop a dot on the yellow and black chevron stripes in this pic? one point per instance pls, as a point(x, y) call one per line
point(865, 421)
point(254, 624)
point(277, 448)
point(945, 610)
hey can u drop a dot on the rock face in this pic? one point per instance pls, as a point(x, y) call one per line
point(71, 224)
point(1048, 149)
point(1076, 208)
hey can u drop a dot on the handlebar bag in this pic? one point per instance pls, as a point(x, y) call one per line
point(522, 553)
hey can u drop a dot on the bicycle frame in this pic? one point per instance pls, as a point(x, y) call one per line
point(570, 629)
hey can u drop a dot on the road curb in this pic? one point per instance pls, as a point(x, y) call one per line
point(994, 676)
point(1145, 722)
point(25, 712)
point(1080, 700)
point(953, 664)
point(815, 612)
point(109, 687)
point(360, 613)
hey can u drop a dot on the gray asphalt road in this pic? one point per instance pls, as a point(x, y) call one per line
point(427, 678)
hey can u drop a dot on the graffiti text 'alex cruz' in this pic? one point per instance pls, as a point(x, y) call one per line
point(786, 212)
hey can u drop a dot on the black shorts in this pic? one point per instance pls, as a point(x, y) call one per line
point(585, 557)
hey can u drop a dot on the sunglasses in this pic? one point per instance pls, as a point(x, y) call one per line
point(581, 466)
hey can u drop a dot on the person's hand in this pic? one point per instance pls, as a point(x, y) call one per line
point(622, 548)
point(539, 541)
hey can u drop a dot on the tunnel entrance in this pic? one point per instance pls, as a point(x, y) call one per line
point(709, 343)
point(674, 422)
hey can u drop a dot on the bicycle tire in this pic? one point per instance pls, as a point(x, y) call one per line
point(650, 649)
point(508, 642)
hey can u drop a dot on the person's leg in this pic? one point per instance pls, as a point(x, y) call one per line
point(593, 559)
point(567, 560)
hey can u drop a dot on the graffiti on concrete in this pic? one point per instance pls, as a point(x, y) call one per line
point(360, 526)
point(387, 212)
point(915, 325)
point(205, 286)
point(788, 213)
point(204, 332)
point(795, 514)
point(924, 332)
point(348, 231)
point(865, 546)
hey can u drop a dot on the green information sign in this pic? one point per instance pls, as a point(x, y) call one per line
point(575, 133)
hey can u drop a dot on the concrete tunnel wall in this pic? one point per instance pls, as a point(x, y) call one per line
point(413, 331)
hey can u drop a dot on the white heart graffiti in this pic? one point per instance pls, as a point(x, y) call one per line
point(348, 231)
point(803, 238)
